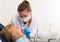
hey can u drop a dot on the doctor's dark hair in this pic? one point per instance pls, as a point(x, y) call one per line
point(24, 5)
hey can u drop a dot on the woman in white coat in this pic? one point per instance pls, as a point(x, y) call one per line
point(25, 19)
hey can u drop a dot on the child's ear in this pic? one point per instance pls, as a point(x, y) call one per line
point(14, 34)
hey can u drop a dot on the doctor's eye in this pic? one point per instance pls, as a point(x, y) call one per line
point(25, 16)
point(21, 16)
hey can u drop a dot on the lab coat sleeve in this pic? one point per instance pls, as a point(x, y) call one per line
point(33, 29)
point(33, 32)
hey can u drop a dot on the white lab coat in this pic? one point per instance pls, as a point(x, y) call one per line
point(33, 27)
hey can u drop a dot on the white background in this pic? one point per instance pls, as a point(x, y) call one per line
point(47, 11)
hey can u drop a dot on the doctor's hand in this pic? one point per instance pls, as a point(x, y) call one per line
point(27, 32)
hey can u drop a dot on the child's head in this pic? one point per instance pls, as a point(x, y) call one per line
point(12, 32)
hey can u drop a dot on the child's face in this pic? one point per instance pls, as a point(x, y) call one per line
point(15, 32)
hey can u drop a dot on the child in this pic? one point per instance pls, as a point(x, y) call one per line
point(13, 34)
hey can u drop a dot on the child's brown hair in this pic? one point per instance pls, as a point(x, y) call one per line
point(6, 34)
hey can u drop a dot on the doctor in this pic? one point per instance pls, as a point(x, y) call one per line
point(25, 20)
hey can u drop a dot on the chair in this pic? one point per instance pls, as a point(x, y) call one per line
point(1, 37)
point(1, 26)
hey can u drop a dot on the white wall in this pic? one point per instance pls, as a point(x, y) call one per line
point(48, 13)
point(7, 9)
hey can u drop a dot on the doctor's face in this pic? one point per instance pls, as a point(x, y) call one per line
point(24, 13)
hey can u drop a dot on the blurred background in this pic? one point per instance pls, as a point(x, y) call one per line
point(47, 12)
